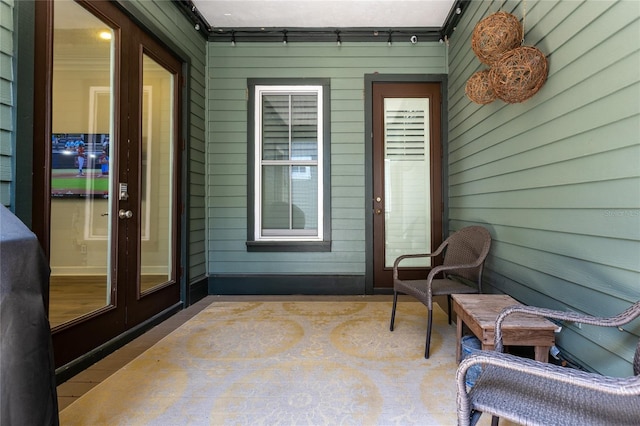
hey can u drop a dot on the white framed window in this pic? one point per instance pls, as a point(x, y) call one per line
point(288, 196)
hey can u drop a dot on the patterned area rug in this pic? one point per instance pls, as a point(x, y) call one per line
point(285, 363)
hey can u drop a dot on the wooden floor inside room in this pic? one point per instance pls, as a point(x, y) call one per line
point(72, 296)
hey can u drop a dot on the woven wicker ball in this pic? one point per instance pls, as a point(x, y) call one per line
point(519, 74)
point(494, 35)
point(479, 89)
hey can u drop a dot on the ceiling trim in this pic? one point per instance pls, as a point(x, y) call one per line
point(386, 35)
point(324, 35)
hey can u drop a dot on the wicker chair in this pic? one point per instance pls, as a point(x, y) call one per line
point(535, 393)
point(464, 255)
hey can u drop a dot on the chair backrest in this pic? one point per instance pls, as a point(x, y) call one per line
point(467, 246)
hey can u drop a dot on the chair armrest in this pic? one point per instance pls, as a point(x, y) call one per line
point(436, 269)
point(612, 385)
point(409, 256)
point(615, 321)
point(396, 263)
point(441, 268)
point(439, 250)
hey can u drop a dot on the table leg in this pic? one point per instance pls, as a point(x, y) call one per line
point(458, 337)
point(542, 353)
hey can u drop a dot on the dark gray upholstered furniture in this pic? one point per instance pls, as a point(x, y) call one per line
point(28, 394)
point(464, 254)
point(534, 393)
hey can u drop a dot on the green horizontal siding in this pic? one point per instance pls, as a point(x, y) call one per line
point(557, 178)
point(228, 71)
point(6, 100)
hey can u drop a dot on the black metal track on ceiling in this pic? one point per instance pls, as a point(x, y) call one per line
point(324, 34)
point(304, 34)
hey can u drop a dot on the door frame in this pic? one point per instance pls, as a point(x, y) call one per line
point(369, 81)
point(40, 208)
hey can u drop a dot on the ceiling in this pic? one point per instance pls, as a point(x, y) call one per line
point(324, 13)
point(262, 18)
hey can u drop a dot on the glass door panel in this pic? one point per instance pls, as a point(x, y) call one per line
point(110, 163)
point(82, 128)
point(156, 174)
point(407, 186)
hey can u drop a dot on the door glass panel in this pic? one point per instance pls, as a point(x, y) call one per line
point(156, 175)
point(407, 180)
point(82, 125)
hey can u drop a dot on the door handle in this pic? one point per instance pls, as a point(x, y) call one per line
point(125, 214)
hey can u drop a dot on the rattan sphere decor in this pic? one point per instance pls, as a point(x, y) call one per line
point(479, 89)
point(519, 74)
point(494, 35)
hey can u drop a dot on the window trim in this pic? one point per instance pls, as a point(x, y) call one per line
point(299, 243)
point(261, 234)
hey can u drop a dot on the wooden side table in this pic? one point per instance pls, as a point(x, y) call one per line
point(479, 313)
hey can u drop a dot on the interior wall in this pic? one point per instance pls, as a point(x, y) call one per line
point(557, 177)
point(80, 226)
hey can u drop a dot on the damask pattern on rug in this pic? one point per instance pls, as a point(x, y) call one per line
point(285, 363)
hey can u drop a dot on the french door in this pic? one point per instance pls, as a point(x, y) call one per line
point(109, 211)
point(407, 182)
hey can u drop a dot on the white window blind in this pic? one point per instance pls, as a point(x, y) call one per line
point(405, 133)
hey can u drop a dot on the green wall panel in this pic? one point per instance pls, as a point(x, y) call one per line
point(228, 70)
point(557, 178)
point(6, 101)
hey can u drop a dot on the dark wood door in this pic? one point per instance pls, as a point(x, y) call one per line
point(107, 209)
point(151, 173)
point(407, 176)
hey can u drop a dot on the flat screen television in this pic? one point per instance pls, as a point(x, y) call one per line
point(80, 165)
